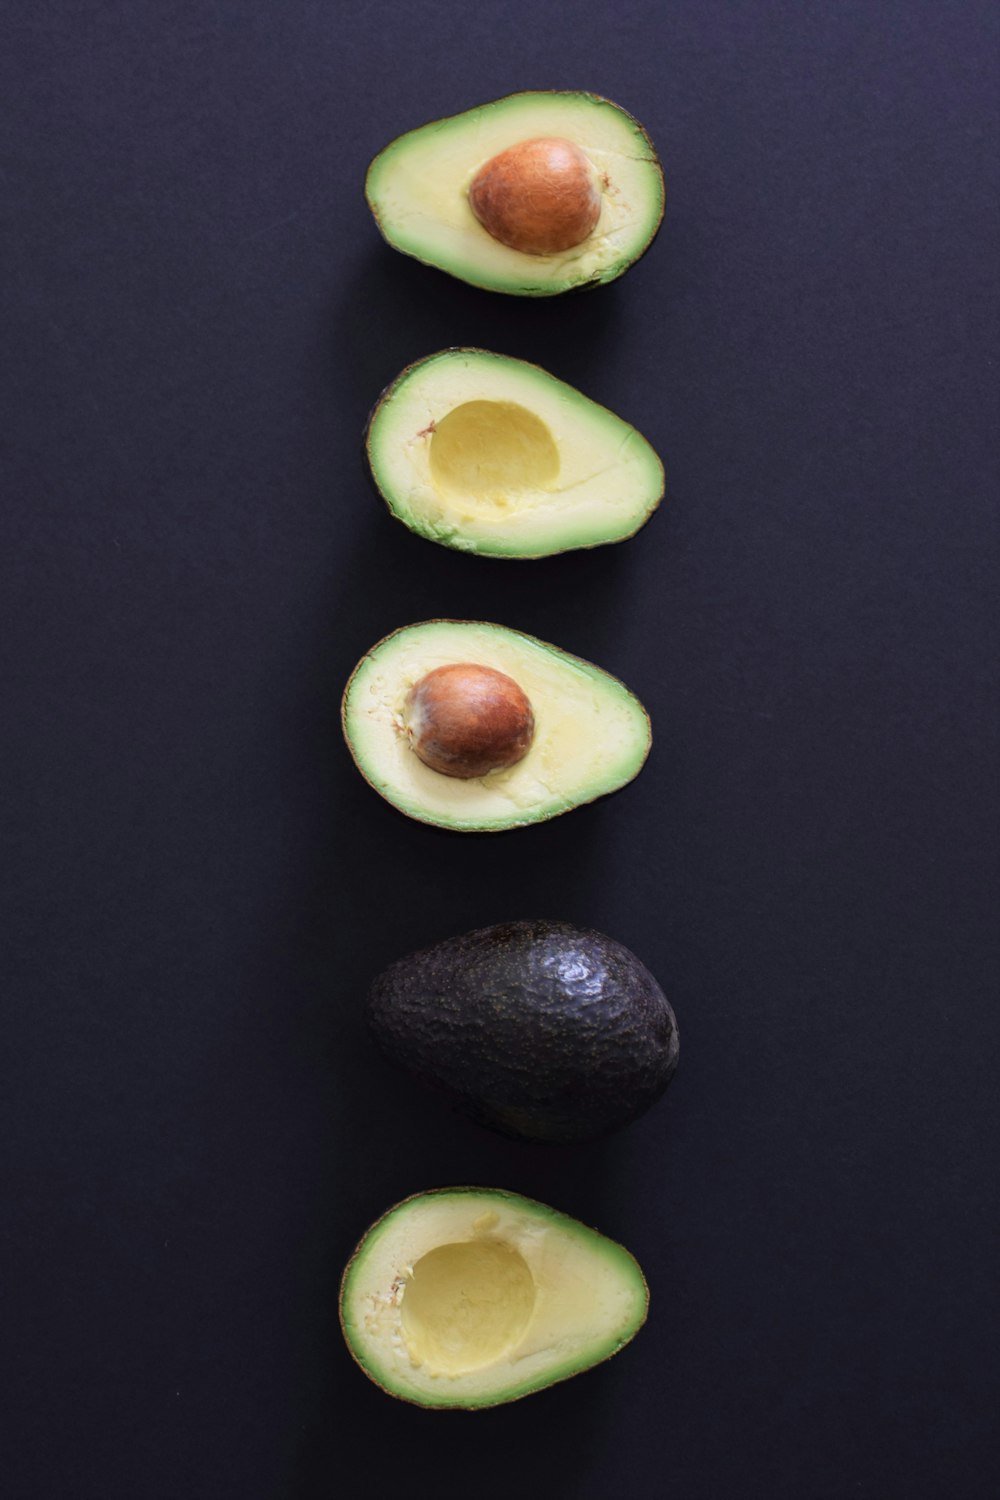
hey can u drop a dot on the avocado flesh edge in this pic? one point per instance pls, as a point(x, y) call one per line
point(590, 1295)
point(609, 478)
point(417, 189)
point(591, 734)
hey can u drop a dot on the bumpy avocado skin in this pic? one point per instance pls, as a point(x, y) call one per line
point(539, 1030)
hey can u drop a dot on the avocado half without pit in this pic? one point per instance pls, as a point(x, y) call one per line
point(539, 1030)
point(534, 194)
point(494, 456)
point(479, 728)
point(470, 1297)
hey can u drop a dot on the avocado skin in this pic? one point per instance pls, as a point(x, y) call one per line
point(539, 1030)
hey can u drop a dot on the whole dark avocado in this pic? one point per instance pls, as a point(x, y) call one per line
point(539, 1030)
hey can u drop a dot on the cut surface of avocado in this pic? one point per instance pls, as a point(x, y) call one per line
point(492, 455)
point(418, 190)
point(470, 1297)
point(591, 735)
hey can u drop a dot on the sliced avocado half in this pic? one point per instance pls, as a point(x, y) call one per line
point(470, 1297)
point(590, 735)
point(418, 188)
point(495, 456)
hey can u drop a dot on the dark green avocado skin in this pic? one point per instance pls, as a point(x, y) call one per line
point(539, 1030)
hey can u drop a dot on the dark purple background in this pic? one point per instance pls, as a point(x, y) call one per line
point(197, 315)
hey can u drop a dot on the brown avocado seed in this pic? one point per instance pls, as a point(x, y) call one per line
point(465, 720)
point(538, 197)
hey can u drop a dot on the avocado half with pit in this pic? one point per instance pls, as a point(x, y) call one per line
point(479, 728)
point(492, 455)
point(534, 194)
point(470, 1297)
point(539, 1030)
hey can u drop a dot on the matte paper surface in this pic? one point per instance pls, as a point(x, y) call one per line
point(198, 313)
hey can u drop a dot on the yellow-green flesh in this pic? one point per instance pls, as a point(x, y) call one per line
point(471, 1297)
point(591, 734)
point(495, 456)
point(418, 190)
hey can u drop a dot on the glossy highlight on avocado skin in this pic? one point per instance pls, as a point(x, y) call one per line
point(418, 188)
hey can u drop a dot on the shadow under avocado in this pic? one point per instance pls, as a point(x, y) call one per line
point(395, 310)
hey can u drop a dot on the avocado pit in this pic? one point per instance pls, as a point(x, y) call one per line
point(540, 196)
point(465, 720)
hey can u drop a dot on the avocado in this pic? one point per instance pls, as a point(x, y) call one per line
point(588, 735)
point(470, 1297)
point(534, 194)
point(535, 1029)
point(494, 456)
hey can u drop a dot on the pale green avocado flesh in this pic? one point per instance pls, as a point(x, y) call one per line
point(418, 187)
point(470, 1297)
point(591, 734)
point(494, 456)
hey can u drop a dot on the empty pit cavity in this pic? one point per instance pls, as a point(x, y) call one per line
point(493, 452)
point(466, 1304)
